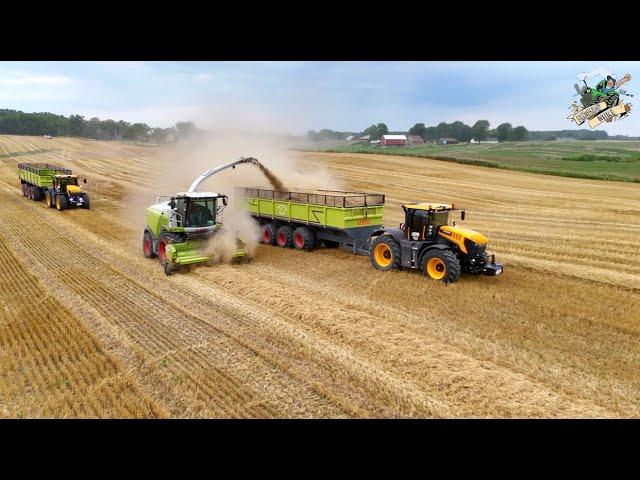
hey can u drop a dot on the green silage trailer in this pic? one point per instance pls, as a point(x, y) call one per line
point(305, 219)
point(58, 186)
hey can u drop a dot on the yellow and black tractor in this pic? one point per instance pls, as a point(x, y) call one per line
point(428, 241)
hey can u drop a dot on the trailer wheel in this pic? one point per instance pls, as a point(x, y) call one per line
point(147, 245)
point(24, 189)
point(440, 265)
point(385, 253)
point(304, 238)
point(30, 192)
point(268, 234)
point(284, 237)
point(37, 194)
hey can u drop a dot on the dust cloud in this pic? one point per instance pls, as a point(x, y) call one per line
point(178, 165)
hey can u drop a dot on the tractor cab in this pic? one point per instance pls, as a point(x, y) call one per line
point(196, 210)
point(60, 183)
point(422, 221)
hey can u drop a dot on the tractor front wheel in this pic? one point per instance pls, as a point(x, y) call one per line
point(61, 202)
point(385, 253)
point(147, 245)
point(284, 237)
point(87, 203)
point(442, 265)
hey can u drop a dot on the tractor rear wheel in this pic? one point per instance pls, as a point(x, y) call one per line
point(51, 200)
point(385, 253)
point(147, 245)
point(268, 234)
point(440, 265)
point(304, 238)
point(284, 237)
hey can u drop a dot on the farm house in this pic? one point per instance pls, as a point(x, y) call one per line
point(415, 140)
point(399, 140)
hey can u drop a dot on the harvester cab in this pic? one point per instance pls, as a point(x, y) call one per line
point(428, 240)
point(196, 211)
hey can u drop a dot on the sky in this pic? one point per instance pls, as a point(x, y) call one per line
point(294, 97)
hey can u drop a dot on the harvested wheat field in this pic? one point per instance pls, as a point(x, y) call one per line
point(91, 328)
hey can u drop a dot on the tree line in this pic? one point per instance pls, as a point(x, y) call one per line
point(479, 131)
point(14, 122)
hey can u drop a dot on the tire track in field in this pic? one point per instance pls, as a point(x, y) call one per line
point(50, 366)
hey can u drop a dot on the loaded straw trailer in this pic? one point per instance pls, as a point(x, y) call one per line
point(56, 185)
point(304, 219)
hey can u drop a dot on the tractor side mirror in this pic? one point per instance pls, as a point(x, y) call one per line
point(463, 214)
point(224, 201)
point(172, 204)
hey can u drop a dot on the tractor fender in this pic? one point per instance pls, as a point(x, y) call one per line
point(430, 248)
point(396, 233)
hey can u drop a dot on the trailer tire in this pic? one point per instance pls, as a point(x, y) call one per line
point(268, 234)
point(304, 238)
point(61, 202)
point(440, 265)
point(385, 253)
point(147, 245)
point(37, 194)
point(24, 189)
point(30, 192)
point(284, 237)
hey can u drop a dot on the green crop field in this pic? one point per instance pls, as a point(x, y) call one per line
point(602, 160)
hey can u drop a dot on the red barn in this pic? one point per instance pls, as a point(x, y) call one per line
point(386, 140)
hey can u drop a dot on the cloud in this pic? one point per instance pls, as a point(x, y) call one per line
point(18, 79)
point(203, 76)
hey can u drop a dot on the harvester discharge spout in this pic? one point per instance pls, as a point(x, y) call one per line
point(213, 171)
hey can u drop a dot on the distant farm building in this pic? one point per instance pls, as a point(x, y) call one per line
point(415, 140)
point(488, 140)
point(375, 142)
point(388, 140)
point(365, 138)
point(448, 141)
